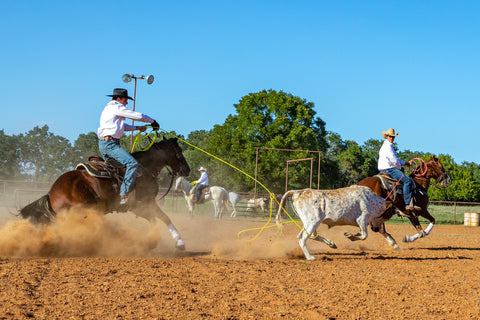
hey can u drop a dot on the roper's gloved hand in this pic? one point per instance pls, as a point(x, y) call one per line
point(155, 125)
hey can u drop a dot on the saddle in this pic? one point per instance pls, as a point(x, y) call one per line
point(388, 183)
point(99, 168)
point(204, 191)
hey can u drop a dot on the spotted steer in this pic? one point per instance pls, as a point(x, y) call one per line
point(354, 205)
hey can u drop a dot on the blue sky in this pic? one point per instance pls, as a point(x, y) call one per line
point(366, 65)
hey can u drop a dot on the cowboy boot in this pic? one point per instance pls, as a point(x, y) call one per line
point(412, 207)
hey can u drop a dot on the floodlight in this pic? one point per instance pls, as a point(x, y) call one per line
point(150, 79)
point(127, 77)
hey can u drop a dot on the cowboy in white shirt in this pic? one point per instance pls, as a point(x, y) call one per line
point(201, 183)
point(112, 127)
point(390, 163)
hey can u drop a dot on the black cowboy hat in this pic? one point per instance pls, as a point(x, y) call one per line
point(119, 92)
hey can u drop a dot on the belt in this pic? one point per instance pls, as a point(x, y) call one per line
point(109, 138)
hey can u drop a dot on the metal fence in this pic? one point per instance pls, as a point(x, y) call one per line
point(17, 194)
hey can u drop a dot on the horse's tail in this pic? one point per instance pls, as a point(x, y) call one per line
point(39, 211)
point(283, 203)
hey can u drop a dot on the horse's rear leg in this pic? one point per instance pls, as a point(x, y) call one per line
point(418, 226)
point(158, 213)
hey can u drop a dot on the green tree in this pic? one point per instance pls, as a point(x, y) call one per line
point(354, 164)
point(267, 119)
point(9, 162)
point(464, 187)
point(45, 156)
point(85, 146)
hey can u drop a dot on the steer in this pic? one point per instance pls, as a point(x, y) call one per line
point(354, 205)
point(261, 203)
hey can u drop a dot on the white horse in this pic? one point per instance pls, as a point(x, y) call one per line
point(218, 195)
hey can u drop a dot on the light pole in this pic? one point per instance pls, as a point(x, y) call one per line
point(127, 77)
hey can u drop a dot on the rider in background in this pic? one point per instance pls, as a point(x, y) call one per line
point(112, 127)
point(390, 163)
point(201, 183)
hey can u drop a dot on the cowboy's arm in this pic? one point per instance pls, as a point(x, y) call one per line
point(122, 111)
point(128, 127)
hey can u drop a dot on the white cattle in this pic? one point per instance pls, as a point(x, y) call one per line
point(257, 203)
point(354, 205)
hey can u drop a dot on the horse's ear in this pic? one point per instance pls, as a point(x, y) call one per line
point(434, 158)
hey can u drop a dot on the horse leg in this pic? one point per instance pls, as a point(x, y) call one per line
point(215, 208)
point(158, 213)
point(416, 223)
point(190, 204)
point(234, 212)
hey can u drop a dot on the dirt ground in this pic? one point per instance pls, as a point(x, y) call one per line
point(121, 267)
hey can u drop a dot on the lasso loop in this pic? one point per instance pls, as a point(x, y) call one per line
point(151, 136)
point(420, 168)
point(272, 195)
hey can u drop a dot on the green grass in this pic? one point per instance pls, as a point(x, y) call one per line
point(443, 214)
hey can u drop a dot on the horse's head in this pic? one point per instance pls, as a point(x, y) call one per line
point(435, 170)
point(172, 156)
point(180, 184)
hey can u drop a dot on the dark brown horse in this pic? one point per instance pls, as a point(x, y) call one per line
point(431, 169)
point(78, 188)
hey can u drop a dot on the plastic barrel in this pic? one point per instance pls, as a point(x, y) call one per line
point(467, 218)
point(474, 219)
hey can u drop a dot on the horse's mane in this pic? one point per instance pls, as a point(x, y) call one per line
point(159, 145)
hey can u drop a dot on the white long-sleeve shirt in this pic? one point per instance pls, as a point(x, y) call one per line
point(387, 157)
point(203, 179)
point(112, 120)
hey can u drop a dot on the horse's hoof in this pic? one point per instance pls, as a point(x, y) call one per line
point(396, 247)
point(405, 239)
point(180, 245)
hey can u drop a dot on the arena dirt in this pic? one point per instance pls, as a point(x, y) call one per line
point(121, 267)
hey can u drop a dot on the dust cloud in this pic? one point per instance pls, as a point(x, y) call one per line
point(79, 234)
point(84, 233)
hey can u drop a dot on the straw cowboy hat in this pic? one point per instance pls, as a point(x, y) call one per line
point(119, 92)
point(202, 169)
point(390, 132)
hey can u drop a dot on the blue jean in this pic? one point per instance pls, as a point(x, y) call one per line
point(199, 190)
point(112, 150)
point(406, 180)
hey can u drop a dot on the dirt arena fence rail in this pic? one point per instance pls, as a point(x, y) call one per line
point(17, 194)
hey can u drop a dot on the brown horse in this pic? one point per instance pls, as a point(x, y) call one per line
point(78, 188)
point(432, 169)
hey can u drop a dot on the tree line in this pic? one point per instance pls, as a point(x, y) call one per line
point(267, 119)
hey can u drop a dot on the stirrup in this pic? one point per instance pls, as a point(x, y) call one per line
point(123, 200)
point(403, 214)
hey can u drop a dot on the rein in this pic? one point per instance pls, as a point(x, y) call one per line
point(170, 173)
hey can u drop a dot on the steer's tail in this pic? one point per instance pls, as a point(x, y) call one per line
point(39, 211)
point(283, 206)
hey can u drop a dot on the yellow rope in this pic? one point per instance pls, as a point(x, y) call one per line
point(137, 140)
point(272, 195)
